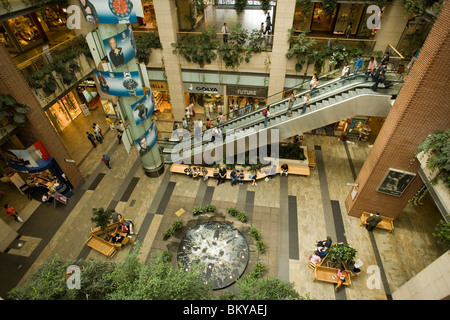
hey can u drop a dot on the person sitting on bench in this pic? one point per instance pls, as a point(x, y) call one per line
point(284, 169)
point(189, 171)
point(196, 173)
point(116, 238)
point(205, 173)
point(126, 227)
point(315, 258)
point(340, 278)
point(324, 243)
point(352, 268)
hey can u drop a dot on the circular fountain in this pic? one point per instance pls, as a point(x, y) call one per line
point(221, 250)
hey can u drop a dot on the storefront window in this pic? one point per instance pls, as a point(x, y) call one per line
point(71, 105)
point(302, 17)
point(64, 111)
point(25, 30)
point(322, 22)
point(348, 18)
point(149, 20)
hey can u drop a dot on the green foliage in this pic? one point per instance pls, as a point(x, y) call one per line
point(341, 253)
point(198, 48)
point(12, 110)
point(255, 233)
point(418, 7)
point(270, 288)
point(259, 270)
point(255, 43)
point(292, 151)
point(144, 45)
point(233, 52)
point(101, 217)
point(209, 208)
point(261, 246)
point(437, 147)
point(265, 5)
point(240, 215)
point(300, 48)
point(442, 233)
point(239, 6)
point(329, 6)
point(177, 224)
point(197, 210)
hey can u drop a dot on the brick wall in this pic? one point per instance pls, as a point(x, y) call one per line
point(420, 109)
point(38, 126)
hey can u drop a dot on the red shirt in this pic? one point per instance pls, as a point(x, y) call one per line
point(11, 211)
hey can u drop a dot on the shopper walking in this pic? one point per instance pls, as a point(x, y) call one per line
point(372, 66)
point(13, 213)
point(98, 130)
point(91, 138)
point(110, 123)
point(119, 136)
point(106, 160)
point(225, 33)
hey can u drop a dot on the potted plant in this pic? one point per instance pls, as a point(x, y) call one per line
point(11, 111)
point(341, 253)
point(101, 217)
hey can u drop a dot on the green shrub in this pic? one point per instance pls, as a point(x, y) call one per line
point(168, 233)
point(261, 246)
point(255, 233)
point(259, 270)
point(232, 212)
point(209, 208)
point(197, 210)
point(177, 225)
point(242, 216)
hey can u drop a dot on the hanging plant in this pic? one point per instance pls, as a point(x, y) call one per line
point(198, 48)
point(233, 51)
point(144, 45)
point(12, 110)
point(300, 47)
point(265, 5)
point(329, 6)
point(239, 6)
point(255, 43)
point(442, 233)
point(437, 148)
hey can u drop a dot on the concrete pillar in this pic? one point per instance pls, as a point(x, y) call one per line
point(393, 24)
point(166, 18)
point(285, 10)
point(420, 109)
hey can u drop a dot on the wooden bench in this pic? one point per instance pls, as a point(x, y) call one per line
point(326, 274)
point(311, 159)
point(386, 224)
point(297, 170)
point(101, 245)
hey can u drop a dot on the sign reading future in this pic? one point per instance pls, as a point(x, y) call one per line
point(120, 48)
point(109, 11)
point(121, 84)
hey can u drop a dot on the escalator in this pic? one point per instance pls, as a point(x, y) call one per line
point(334, 101)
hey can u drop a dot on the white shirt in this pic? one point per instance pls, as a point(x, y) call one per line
point(345, 71)
point(372, 65)
point(224, 29)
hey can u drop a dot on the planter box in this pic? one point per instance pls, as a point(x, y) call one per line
point(293, 162)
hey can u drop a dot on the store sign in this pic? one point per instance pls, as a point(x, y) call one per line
point(203, 88)
point(260, 92)
point(159, 86)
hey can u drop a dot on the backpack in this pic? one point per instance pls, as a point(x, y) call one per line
point(106, 158)
point(265, 112)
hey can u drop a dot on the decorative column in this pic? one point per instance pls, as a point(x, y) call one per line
point(285, 10)
point(166, 18)
point(420, 109)
point(123, 78)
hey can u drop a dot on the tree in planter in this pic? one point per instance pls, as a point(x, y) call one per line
point(199, 48)
point(144, 45)
point(101, 217)
point(255, 42)
point(265, 6)
point(341, 253)
point(437, 147)
point(13, 111)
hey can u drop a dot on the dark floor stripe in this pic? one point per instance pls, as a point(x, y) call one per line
point(350, 161)
point(143, 228)
point(96, 181)
point(338, 222)
point(293, 229)
point(387, 289)
point(208, 195)
point(249, 204)
point(126, 195)
point(166, 198)
point(283, 238)
point(200, 196)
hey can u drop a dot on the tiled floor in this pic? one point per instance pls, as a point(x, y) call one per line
point(153, 202)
